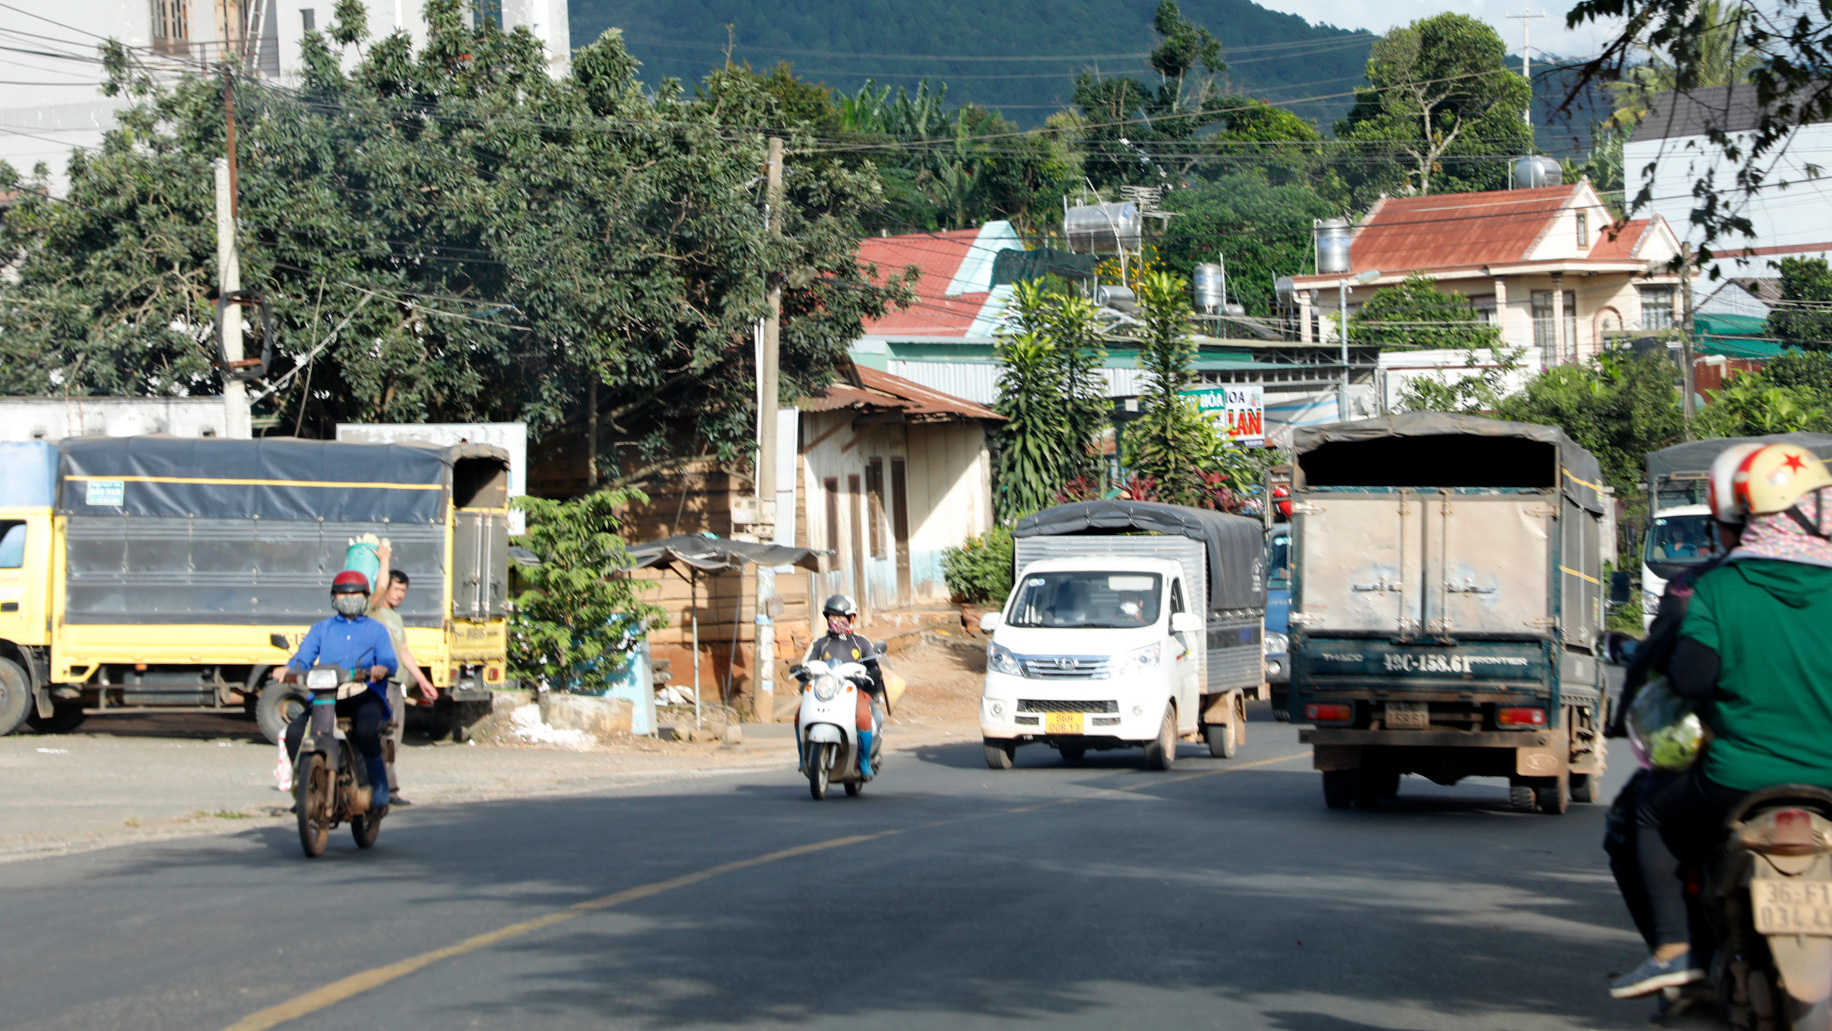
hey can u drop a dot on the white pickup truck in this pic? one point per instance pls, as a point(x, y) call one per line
point(1130, 624)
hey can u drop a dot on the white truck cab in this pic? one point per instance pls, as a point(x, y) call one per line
point(1093, 652)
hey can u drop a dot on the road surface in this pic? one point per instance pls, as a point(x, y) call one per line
point(1220, 895)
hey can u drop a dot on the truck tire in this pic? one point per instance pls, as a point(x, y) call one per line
point(1552, 795)
point(998, 753)
point(1338, 788)
point(1223, 742)
point(1520, 796)
point(1281, 704)
point(1583, 788)
point(15, 696)
point(278, 706)
point(1161, 751)
point(65, 717)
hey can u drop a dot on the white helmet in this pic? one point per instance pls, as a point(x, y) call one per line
point(1720, 490)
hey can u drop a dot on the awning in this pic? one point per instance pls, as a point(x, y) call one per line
point(709, 554)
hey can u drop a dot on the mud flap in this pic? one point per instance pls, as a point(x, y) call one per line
point(1547, 761)
point(1336, 757)
point(41, 698)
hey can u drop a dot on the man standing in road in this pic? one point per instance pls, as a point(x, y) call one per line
point(384, 610)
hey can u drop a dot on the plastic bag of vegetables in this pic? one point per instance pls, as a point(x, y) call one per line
point(1663, 728)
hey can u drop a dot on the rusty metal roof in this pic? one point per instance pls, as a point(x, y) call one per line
point(882, 392)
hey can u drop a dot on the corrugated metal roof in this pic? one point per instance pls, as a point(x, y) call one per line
point(1453, 229)
point(882, 391)
point(1695, 112)
point(954, 294)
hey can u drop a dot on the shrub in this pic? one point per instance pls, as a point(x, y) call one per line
point(979, 571)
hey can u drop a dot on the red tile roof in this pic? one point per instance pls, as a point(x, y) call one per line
point(938, 256)
point(1628, 237)
point(881, 391)
point(1454, 230)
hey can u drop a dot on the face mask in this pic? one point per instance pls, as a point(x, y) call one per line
point(839, 626)
point(349, 604)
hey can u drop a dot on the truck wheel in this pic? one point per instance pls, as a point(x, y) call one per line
point(1161, 751)
point(65, 717)
point(998, 753)
point(278, 706)
point(1338, 788)
point(15, 696)
point(1520, 796)
point(1583, 788)
point(1552, 795)
point(1281, 704)
point(1223, 742)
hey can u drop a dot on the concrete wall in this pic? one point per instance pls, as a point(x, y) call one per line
point(36, 418)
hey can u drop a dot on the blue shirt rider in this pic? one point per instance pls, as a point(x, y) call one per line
point(352, 641)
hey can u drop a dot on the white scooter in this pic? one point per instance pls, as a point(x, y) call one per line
point(829, 722)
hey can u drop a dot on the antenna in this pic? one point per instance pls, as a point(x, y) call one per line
point(1526, 17)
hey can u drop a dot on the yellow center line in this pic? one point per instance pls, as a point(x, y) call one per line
point(358, 983)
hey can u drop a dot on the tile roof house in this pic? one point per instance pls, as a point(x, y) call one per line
point(955, 298)
point(1550, 266)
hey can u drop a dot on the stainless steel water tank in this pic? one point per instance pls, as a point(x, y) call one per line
point(1207, 287)
point(1103, 228)
point(1119, 297)
point(1534, 172)
point(1332, 246)
point(1286, 289)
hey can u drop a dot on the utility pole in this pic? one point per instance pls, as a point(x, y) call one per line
point(1526, 17)
point(1687, 382)
point(767, 390)
point(237, 424)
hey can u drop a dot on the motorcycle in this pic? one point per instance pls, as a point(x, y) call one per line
point(330, 780)
point(1767, 898)
point(829, 722)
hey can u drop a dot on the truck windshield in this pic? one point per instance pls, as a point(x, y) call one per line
point(1676, 542)
point(1082, 598)
point(1278, 558)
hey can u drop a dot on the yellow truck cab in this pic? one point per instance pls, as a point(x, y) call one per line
point(165, 571)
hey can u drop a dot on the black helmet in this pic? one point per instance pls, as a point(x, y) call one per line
point(840, 605)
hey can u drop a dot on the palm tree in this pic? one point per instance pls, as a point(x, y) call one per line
point(1712, 52)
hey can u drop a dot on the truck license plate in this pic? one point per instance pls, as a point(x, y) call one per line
point(1062, 722)
point(1792, 907)
point(1408, 716)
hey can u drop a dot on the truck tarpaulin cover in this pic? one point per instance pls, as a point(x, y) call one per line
point(1236, 544)
point(1694, 457)
point(1437, 449)
point(278, 478)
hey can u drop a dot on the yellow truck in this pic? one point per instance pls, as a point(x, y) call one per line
point(167, 571)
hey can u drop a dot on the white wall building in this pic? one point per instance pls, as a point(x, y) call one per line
point(54, 418)
point(52, 103)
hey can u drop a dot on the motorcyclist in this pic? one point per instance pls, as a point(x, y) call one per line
point(840, 644)
point(353, 641)
point(1652, 658)
point(1753, 652)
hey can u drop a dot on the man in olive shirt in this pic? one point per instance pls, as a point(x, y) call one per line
point(384, 610)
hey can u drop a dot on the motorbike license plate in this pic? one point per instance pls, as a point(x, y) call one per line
point(1062, 722)
point(1408, 716)
point(1792, 907)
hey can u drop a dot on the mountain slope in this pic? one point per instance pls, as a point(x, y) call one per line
point(1020, 56)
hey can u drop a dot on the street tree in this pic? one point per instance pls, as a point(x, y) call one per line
point(1261, 229)
point(1416, 315)
point(1128, 119)
point(1442, 100)
point(1618, 407)
point(1803, 317)
point(1171, 442)
point(1716, 55)
point(1053, 396)
point(1751, 405)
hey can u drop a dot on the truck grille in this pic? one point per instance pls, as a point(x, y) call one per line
point(1065, 667)
point(1060, 705)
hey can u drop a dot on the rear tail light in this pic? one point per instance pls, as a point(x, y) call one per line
point(1329, 713)
point(1793, 834)
point(1521, 717)
point(493, 674)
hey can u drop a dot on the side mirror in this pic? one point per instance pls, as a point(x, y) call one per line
point(1620, 589)
point(881, 647)
point(991, 621)
point(1185, 623)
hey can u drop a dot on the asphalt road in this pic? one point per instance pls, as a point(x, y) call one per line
point(1222, 894)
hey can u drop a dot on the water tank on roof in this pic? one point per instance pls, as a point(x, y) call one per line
point(1333, 242)
point(1208, 287)
point(1103, 228)
point(1286, 289)
point(1531, 173)
point(1118, 297)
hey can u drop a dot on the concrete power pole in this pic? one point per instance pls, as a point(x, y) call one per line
point(1526, 17)
point(767, 391)
point(236, 420)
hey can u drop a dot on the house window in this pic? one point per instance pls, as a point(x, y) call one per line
point(1485, 308)
point(171, 25)
point(1583, 229)
point(309, 18)
point(1656, 307)
point(1542, 325)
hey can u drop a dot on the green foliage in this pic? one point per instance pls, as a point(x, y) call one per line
point(1442, 97)
point(1476, 394)
point(576, 612)
point(1416, 314)
point(1053, 396)
point(1714, 55)
point(1171, 442)
point(1619, 407)
point(1263, 228)
point(1751, 405)
point(1804, 317)
point(472, 238)
point(979, 571)
point(1811, 370)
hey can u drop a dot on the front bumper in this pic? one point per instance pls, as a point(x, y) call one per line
point(1137, 710)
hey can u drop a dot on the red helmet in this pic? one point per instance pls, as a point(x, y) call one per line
point(350, 582)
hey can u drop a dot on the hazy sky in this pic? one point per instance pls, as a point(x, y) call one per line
point(1549, 33)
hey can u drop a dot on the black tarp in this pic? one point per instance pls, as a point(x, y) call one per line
point(270, 478)
point(1013, 266)
point(1236, 544)
point(1695, 457)
point(1438, 449)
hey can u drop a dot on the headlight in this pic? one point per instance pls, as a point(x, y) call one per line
point(321, 679)
point(826, 687)
point(999, 659)
point(1277, 643)
point(1144, 660)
